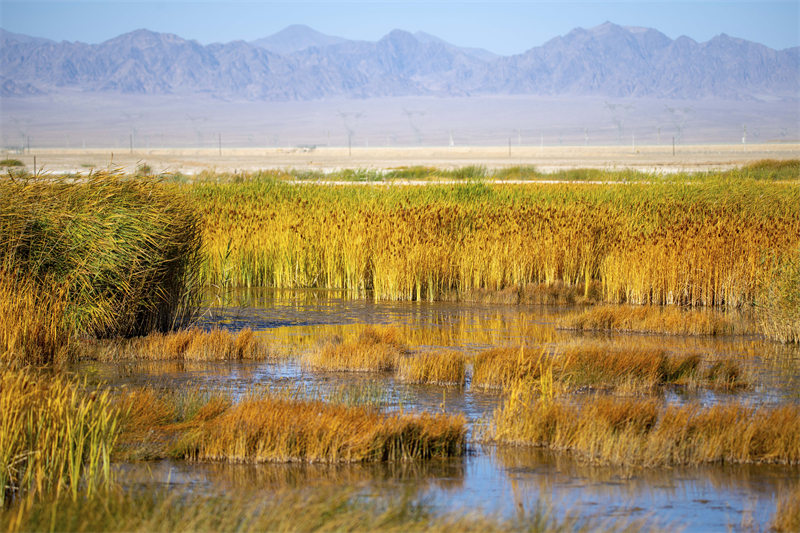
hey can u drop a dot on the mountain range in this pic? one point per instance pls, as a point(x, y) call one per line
point(299, 63)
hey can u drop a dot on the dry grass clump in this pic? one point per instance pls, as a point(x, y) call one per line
point(646, 319)
point(375, 350)
point(54, 435)
point(274, 429)
point(598, 367)
point(278, 426)
point(641, 369)
point(438, 368)
point(787, 514)
point(503, 366)
point(153, 420)
point(643, 432)
point(193, 344)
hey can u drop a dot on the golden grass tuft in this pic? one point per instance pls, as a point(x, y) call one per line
point(278, 426)
point(54, 435)
point(642, 432)
point(271, 429)
point(647, 319)
point(501, 367)
point(153, 420)
point(191, 344)
point(375, 350)
point(438, 368)
point(596, 366)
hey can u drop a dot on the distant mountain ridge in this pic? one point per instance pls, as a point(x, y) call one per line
point(299, 63)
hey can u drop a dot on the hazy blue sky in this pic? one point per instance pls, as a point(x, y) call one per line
point(502, 27)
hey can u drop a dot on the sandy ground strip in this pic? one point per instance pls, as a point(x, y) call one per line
point(659, 159)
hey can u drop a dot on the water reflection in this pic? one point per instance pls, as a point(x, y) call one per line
point(506, 480)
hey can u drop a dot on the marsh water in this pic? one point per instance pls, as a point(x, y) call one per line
point(500, 480)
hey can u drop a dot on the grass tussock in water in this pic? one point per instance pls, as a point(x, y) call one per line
point(644, 432)
point(192, 344)
point(55, 436)
point(270, 429)
point(438, 368)
point(502, 366)
point(647, 319)
point(120, 254)
point(590, 366)
point(375, 350)
point(270, 426)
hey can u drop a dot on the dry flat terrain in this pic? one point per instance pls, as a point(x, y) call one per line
point(547, 158)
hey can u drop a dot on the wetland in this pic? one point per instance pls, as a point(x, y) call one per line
point(473, 356)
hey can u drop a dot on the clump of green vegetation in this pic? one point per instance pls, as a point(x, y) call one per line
point(144, 170)
point(771, 169)
point(11, 163)
point(120, 255)
point(410, 173)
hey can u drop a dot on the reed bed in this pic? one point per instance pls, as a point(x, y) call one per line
point(191, 344)
point(648, 319)
point(634, 431)
point(375, 350)
point(709, 242)
point(55, 436)
point(114, 255)
point(438, 368)
point(595, 366)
